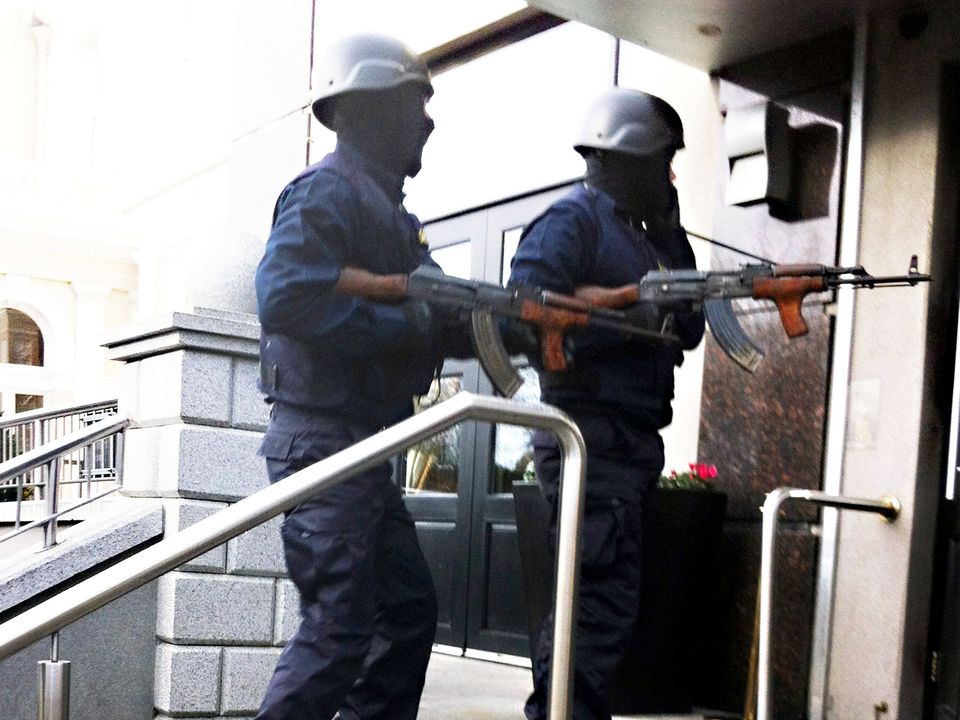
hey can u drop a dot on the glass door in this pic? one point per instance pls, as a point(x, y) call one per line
point(437, 474)
point(497, 619)
point(458, 485)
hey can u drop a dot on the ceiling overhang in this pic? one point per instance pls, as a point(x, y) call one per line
point(713, 34)
point(507, 30)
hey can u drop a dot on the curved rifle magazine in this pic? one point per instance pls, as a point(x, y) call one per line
point(729, 335)
point(492, 354)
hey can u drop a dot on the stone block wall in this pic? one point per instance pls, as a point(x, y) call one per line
point(222, 618)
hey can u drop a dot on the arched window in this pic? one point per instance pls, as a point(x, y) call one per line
point(21, 342)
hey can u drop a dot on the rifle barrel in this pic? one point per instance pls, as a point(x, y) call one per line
point(870, 281)
point(624, 326)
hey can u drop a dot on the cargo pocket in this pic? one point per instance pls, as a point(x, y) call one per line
point(276, 445)
point(603, 529)
point(300, 553)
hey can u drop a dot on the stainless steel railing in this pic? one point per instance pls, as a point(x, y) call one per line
point(26, 430)
point(888, 507)
point(82, 473)
point(51, 615)
point(46, 470)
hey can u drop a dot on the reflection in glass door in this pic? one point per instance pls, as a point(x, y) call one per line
point(431, 466)
point(512, 445)
point(508, 248)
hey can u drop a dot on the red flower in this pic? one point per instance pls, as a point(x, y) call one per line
point(712, 471)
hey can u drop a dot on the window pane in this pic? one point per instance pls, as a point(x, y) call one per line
point(513, 448)
point(511, 239)
point(29, 402)
point(506, 122)
point(20, 340)
point(402, 20)
point(432, 466)
point(454, 259)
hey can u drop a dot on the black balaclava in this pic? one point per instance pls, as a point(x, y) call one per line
point(639, 186)
point(390, 125)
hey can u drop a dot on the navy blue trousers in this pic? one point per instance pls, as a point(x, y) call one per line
point(367, 602)
point(623, 464)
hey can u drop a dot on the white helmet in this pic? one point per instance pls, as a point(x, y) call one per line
point(364, 62)
point(631, 122)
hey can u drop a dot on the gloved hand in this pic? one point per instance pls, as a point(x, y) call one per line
point(667, 235)
point(645, 315)
point(663, 224)
point(422, 324)
point(453, 328)
point(520, 338)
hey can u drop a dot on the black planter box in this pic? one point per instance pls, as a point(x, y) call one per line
point(672, 650)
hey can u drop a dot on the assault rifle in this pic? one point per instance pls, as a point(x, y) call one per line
point(785, 285)
point(553, 314)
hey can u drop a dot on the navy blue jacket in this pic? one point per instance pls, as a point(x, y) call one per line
point(583, 240)
point(320, 350)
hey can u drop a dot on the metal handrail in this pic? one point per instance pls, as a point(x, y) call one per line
point(54, 413)
point(87, 470)
point(48, 455)
point(129, 574)
point(61, 446)
point(887, 506)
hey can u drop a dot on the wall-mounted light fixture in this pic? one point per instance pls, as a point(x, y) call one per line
point(759, 146)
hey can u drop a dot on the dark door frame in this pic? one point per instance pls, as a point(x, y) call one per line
point(942, 683)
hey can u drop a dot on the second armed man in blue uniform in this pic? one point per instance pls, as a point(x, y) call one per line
point(620, 223)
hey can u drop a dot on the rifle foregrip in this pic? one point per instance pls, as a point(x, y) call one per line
point(365, 284)
point(805, 269)
point(788, 294)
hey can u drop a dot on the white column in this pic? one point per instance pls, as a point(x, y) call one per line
point(41, 34)
point(91, 315)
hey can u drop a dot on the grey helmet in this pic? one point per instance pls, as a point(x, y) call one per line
point(631, 122)
point(364, 62)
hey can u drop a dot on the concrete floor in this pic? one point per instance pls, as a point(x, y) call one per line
point(461, 688)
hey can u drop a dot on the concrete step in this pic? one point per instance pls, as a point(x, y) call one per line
point(460, 688)
point(119, 525)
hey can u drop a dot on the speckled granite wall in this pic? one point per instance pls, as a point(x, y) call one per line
point(765, 430)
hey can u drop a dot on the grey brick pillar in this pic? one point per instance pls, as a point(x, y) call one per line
point(189, 387)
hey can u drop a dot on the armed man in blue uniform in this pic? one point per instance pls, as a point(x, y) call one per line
point(338, 369)
point(621, 222)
